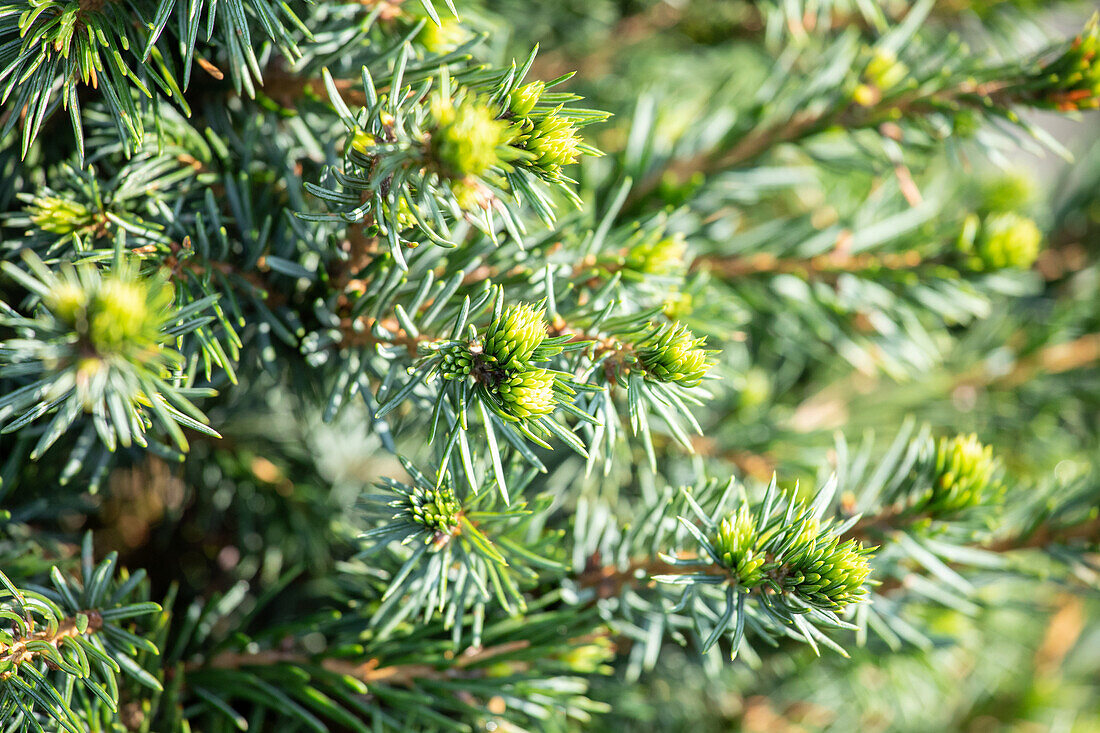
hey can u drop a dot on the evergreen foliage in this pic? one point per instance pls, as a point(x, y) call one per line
point(356, 374)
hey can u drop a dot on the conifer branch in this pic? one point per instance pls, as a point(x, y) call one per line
point(370, 671)
point(22, 648)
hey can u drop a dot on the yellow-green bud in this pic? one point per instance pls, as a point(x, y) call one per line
point(555, 144)
point(528, 394)
point(363, 141)
point(590, 658)
point(523, 99)
point(403, 218)
point(736, 544)
point(673, 354)
point(755, 388)
point(966, 123)
point(513, 338)
point(457, 362)
point(963, 475)
point(884, 70)
point(436, 509)
point(58, 216)
point(471, 194)
point(445, 37)
point(464, 137)
point(1008, 241)
point(664, 256)
point(830, 576)
point(67, 301)
point(126, 314)
point(678, 305)
point(1007, 192)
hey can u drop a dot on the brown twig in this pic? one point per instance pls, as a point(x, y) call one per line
point(608, 581)
point(1047, 534)
point(17, 653)
point(369, 671)
point(832, 263)
point(1055, 359)
point(806, 123)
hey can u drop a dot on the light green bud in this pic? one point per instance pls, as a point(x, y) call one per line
point(1008, 241)
point(528, 394)
point(736, 544)
point(464, 137)
point(436, 509)
point(523, 99)
point(513, 338)
point(663, 256)
point(964, 475)
point(673, 354)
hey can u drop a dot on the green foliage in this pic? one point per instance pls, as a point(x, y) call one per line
point(475, 378)
point(99, 345)
point(68, 646)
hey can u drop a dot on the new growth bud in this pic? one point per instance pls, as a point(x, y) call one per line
point(523, 99)
point(119, 313)
point(882, 73)
point(503, 362)
point(653, 256)
point(829, 573)
point(436, 509)
point(528, 394)
point(464, 137)
point(554, 143)
point(673, 354)
point(736, 543)
point(1072, 80)
point(513, 338)
point(1008, 241)
point(58, 216)
point(884, 70)
point(445, 37)
point(963, 475)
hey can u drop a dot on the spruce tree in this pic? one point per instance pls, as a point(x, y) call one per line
point(722, 365)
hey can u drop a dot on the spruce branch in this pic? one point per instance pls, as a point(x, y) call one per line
point(884, 96)
point(26, 648)
point(370, 671)
point(70, 633)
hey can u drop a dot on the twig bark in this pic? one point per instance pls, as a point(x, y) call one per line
point(369, 671)
point(18, 653)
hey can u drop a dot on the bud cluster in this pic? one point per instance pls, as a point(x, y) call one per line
point(672, 353)
point(549, 138)
point(458, 360)
point(736, 543)
point(590, 656)
point(657, 255)
point(964, 475)
point(504, 362)
point(513, 338)
point(118, 314)
point(464, 136)
point(436, 509)
point(99, 343)
point(528, 393)
point(59, 216)
point(806, 559)
point(883, 72)
point(1007, 241)
point(443, 37)
point(827, 572)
